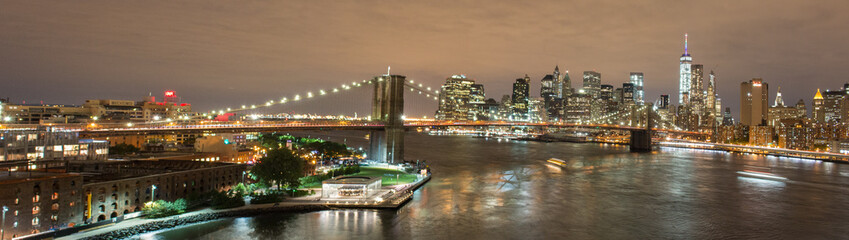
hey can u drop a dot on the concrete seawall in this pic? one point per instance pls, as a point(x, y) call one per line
point(201, 217)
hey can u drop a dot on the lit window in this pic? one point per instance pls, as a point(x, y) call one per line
point(35, 221)
point(36, 210)
point(55, 206)
point(55, 196)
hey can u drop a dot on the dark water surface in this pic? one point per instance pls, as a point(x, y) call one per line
point(489, 189)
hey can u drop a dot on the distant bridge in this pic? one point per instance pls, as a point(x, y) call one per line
point(107, 129)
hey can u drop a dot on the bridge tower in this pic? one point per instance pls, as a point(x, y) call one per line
point(641, 139)
point(388, 107)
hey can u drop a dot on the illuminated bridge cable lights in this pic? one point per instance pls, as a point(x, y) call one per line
point(420, 88)
point(297, 97)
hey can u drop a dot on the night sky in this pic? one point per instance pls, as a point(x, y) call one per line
point(217, 54)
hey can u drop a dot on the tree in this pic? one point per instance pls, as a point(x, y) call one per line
point(279, 166)
point(123, 149)
point(328, 149)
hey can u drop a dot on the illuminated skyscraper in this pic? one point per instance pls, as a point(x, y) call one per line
point(754, 95)
point(558, 82)
point(697, 99)
point(520, 98)
point(628, 93)
point(567, 85)
point(551, 91)
point(663, 102)
point(818, 111)
point(727, 119)
point(685, 76)
point(456, 97)
point(712, 105)
point(548, 88)
point(592, 84)
point(639, 94)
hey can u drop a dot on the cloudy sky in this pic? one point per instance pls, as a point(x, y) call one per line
point(221, 53)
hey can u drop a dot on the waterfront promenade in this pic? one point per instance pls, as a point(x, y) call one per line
point(400, 194)
point(783, 152)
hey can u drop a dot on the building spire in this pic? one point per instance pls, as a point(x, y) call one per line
point(685, 43)
point(818, 95)
point(778, 101)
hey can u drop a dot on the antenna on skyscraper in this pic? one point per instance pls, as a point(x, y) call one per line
point(685, 43)
point(387, 70)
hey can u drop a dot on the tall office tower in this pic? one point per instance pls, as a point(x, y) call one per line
point(753, 102)
point(578, 108)
point(547, 87)
point(520, 98)
point(637, 80)
point(663, 102)
point(558, 82)
point(551, 93)
point(697, 99)
point(818, 111)
point(606, 99)
point(477, 100)
point(455, 98)
point(606, 92)
point(567, 85)
point(628, 93)
point(833, 105)
point(505, 107)
point(685, 75)
point(714, 111)
point(718, 109)
point(802, 109)
point(592, 84)
point(727, 119)
point(617, 95)
point(818, 107)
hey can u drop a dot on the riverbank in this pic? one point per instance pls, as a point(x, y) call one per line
point(778, 152)
point(132, 227)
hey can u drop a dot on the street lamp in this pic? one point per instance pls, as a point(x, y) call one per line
point(3, 225)
point(152, 192)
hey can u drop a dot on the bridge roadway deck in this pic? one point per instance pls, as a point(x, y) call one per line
point(102, 130)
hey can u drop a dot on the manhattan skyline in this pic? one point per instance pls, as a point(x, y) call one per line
point(229, 54)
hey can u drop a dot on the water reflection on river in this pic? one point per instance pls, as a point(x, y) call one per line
point(489, 189)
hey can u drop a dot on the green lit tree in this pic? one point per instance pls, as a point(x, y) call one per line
point(328, 149)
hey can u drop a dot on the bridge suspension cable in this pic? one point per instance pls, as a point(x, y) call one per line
point(295, 98)
point(420, 88)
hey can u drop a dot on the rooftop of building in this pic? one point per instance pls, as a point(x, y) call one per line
point(122, 169)
point(352, 180)
point(12, 177)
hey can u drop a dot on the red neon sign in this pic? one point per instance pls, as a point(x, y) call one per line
point(170, 93)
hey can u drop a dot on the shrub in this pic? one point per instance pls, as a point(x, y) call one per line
point(267, 197)
point(222, 200)
point(162, 208)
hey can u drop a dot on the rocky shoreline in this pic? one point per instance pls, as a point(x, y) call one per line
point(202, 217)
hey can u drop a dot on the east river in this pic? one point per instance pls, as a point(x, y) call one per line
point(490, 189)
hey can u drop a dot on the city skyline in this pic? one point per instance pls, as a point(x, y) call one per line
point(234, 59)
